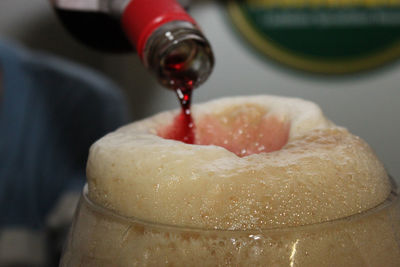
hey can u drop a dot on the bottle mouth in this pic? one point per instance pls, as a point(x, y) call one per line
point(180, 55)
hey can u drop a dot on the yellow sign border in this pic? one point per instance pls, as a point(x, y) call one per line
point(312, 64)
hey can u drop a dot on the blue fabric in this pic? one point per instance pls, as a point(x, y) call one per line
point(51, 112)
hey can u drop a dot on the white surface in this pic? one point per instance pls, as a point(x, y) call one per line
point(367, 103)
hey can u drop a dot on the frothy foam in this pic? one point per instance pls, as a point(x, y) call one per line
point(316, 172)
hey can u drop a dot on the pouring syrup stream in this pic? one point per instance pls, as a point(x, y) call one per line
point(183, 81)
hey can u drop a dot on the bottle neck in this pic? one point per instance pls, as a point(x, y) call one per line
point(179, 55)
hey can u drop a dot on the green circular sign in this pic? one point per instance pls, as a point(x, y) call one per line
point(326, 36)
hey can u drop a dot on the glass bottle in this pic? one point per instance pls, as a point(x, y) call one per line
point(166, 38)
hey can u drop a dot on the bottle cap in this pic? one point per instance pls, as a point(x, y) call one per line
point(141, 17)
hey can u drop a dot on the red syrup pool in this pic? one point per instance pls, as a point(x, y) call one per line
point(244, 130)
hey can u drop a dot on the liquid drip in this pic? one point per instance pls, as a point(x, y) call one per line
point(182, 80)
point(184, 120)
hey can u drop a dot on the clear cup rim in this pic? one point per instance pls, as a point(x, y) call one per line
point(391, 200)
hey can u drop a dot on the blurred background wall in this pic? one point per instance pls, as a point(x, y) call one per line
point(366, 103)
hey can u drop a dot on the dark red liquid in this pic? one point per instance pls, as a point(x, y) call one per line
point(183, 123)
point(183, 81)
